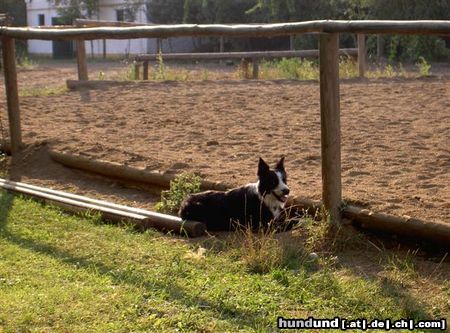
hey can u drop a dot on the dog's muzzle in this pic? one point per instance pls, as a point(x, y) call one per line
point(283, 196)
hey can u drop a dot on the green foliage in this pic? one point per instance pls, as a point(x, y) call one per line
point(16, 9)
point(399, 48)
point(348, 68)
point(424, 67)
point(26, 63)
point(180, 188)
point(292, 68)
point(165, 11)
point(69, 10)
point(161, 74)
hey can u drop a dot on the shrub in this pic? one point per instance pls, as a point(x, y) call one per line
point(180, 188)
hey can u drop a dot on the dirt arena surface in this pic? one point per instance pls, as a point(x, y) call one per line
point(395, 137)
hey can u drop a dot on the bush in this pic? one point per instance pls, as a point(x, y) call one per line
point(180, 188)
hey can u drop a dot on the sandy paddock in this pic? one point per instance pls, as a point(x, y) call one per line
point(395, 137)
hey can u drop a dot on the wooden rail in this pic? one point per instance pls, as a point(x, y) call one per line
point(240, 55)
point(142, 219)
point(246, 57)
point(329, 76)
point(236, 30)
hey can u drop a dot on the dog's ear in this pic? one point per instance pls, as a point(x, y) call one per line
point(280, 164)
point(263, 167)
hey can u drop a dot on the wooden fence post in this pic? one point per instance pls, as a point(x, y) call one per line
point(12, 94)
point(330, 125)
point(362, 55)
point(81, 60)
point(145, 70)
point(379, 48)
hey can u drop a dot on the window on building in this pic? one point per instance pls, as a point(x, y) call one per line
point(41, 19)
point(120, 15)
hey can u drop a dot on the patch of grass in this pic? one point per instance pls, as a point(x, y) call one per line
point(304, 69)
point(43, 91)
point(386, 71)
point(70, 274)
point(348, 68)
point(292, 68)
point(26, 63)
point(423, 66)
point(183, 185)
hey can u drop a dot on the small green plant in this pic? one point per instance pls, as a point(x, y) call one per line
point(161, 74)
point(348, 68)
point(423, 66)
point(101, 75)
point(131, 71)
point(302, 69)
point(260, 251)
point(401, 270)
point(205, 75)
point(25, 62)
point(180, 188)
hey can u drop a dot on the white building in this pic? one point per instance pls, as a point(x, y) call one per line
point(44, 13)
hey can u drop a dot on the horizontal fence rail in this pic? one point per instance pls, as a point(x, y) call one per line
point(236, 30)
point(240, 55)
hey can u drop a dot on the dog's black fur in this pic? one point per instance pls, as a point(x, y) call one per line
point(255, 204)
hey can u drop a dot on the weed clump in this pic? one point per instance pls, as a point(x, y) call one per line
point(182, 186)
point(423, 66)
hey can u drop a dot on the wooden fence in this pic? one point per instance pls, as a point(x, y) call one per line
point(245, 57)
point(329, 70)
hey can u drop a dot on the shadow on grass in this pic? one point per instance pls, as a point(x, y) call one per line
point(372, 266)
point(136, 279)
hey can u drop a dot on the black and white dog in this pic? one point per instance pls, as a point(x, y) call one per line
point(255, 204)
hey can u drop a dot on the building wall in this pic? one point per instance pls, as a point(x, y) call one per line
point(107, 12)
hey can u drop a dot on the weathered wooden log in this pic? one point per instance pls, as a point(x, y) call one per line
point(140, 218)
point(405, 226)
point(119, 171)
point(238, 30)
point(96, 84)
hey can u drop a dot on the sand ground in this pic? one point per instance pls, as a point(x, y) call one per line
point(395, 136)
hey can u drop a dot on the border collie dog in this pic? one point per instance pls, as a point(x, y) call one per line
point(255, 204)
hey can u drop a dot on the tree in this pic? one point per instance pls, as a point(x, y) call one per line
point(69, 10)
point(16, 9)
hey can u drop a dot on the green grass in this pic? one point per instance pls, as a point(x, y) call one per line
point(61, 273)
point(303, 69)
point(42, 91)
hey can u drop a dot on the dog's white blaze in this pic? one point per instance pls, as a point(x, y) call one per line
point(271, 202)
point(281, 185)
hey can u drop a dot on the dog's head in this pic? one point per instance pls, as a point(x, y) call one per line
point(273, 182)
